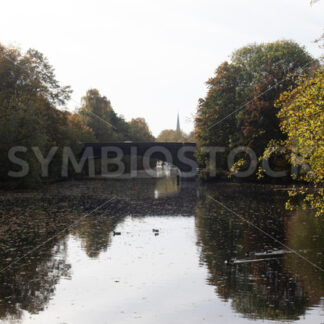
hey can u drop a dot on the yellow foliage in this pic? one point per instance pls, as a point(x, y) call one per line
point(302, 120)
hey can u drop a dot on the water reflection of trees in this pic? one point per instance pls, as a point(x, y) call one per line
point(29, 284)
point(29, 219)
point(273, 289)
point(95, 233)
point(26, 223)
point(306, 235)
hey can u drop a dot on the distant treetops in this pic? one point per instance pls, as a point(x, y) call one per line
point(177, 135)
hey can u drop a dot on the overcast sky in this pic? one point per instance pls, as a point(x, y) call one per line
point(151, 58)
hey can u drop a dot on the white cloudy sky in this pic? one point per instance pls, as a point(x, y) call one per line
point(151, 58)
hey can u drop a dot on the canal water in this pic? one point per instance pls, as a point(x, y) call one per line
point(151, 251)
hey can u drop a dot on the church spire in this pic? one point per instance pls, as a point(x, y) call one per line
point(178, 123)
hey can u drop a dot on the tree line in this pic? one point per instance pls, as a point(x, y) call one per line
point(31, 115)
point(267, 95)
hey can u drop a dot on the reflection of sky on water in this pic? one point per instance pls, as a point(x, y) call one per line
point(141, 278)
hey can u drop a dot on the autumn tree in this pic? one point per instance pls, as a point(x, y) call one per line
point(171, 135)
point(29, 97)
point(215, 123)
point(191, 137)
point(301, 118)
point(273, 69)
point(239, 106)
point(97, 113)
point(139, 130)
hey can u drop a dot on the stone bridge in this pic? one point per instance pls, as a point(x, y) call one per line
point(180, 155)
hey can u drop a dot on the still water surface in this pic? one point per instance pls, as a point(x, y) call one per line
point(205, 265)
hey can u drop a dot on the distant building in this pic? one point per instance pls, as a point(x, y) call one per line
point(178, 124)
